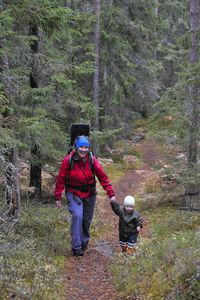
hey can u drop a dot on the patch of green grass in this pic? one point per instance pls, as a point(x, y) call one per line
point(123, 147)
point(115, 171)
point(135, 150)
point(140, 125)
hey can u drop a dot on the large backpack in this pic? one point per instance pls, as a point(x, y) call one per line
point(76, 130)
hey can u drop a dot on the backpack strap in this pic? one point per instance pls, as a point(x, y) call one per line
point(91, 162)
point(71, 163)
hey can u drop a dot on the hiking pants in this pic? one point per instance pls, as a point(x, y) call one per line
point(82, 213)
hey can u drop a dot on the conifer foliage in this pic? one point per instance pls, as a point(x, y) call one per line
point(53, 72)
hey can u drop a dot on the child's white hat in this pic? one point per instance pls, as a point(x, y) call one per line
point(129, 200)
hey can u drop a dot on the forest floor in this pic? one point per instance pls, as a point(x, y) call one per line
point(89, 277)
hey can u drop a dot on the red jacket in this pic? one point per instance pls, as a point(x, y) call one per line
point(81, 174)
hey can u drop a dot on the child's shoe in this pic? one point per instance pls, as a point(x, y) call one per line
point(129, 250)
point(123, 249)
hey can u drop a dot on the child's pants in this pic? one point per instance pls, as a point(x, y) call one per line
point(82, 213)
point(128, 243)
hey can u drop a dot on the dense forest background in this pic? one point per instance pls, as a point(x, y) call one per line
point(112, 64)
point(107, 63)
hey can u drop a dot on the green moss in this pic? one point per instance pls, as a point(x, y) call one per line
point(141, 125)
point(135, 150)
point(115, 171)
point(123, 147)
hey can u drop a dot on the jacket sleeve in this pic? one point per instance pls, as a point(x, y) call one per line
point(116, 208)
point(103, 178)
point(139, 221)
point(60, 182)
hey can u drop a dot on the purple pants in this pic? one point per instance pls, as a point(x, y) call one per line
point(82, 213)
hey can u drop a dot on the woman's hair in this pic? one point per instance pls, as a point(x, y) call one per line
point(75, 142)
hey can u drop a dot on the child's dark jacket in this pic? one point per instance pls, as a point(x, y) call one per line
point(128, 222)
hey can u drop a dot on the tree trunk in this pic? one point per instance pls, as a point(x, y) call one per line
point(1, 45)
point(12, 186)
point(193, 112)
point(156, 31)
point(67, 3)
point(35, 173)
point(96, 63)
point(12, 179)
point(36, 166)
point(96, 73)
point(1, 42)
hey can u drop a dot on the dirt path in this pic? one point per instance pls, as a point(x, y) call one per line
point(88, 277)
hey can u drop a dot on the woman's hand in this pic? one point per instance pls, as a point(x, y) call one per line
point(138, 228)
point(58, 203)
point(112, 199)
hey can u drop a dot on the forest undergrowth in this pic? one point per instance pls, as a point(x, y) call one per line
point(166, 264)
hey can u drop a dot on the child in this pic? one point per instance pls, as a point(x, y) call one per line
point(130, 223)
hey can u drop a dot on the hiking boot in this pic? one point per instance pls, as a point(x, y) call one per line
point(84, 247)
point(77, 252)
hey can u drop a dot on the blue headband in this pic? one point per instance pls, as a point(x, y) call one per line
point(82, 141)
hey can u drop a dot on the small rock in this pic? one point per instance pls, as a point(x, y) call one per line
point(81, 270)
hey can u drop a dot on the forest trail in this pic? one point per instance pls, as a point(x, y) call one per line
point(88, 277)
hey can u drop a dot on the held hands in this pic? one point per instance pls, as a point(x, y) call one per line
point(138, 228)
point(58, 203)
point(112, 199)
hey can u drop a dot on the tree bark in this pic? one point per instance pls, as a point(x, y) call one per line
point(67, 3)
point(96, 72)
point(193, 101)
point(156, 31)
point(35, 173)
point(13, 197)
point(12, 186)
point(36, 166)
point(194, 23)
point(96, 63)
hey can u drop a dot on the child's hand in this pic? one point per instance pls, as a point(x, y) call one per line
point(58, 203)
point(112, 199)
point(138, 228)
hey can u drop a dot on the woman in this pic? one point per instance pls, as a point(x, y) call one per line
point(80, 187)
